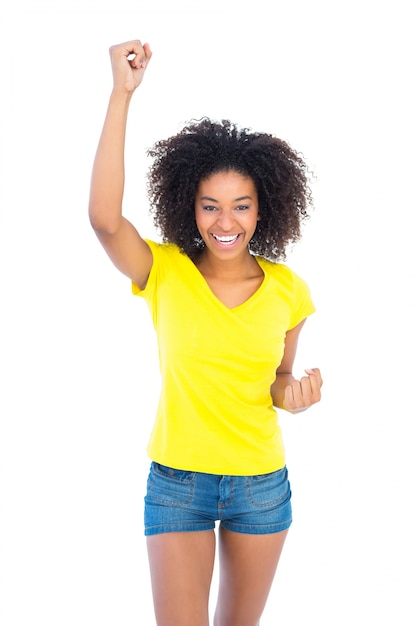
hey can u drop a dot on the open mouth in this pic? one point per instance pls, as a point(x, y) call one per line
point(225, 240)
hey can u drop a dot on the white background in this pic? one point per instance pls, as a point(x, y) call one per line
point(79, 376)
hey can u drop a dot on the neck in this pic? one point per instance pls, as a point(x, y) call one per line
point(231, 269)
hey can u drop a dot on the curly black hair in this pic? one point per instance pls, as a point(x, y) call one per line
point(205, 147)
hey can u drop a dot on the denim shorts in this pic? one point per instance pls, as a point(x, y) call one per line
point(178, 500)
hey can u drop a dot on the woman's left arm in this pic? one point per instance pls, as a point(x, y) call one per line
point(287, 392)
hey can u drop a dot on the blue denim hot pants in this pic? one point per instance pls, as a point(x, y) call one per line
point(178, 501)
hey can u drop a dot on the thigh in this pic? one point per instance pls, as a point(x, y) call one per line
point(181, 567)
point(248, 564)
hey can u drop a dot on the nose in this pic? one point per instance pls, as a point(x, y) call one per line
point(225, 220)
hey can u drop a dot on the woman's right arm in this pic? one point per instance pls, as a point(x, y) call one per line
point(125, 247)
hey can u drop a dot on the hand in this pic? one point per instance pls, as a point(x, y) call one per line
point(129, 61)
point(301, 394)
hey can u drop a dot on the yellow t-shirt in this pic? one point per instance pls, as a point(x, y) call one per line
point(215, 411)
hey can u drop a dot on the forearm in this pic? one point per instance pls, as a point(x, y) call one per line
point(282, 380)
point(108, 175)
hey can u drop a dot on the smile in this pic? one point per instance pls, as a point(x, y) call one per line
point(225, 240)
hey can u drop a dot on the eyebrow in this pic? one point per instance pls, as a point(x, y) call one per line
point(235, 200)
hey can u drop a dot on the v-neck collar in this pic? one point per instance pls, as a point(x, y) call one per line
point(220, 302)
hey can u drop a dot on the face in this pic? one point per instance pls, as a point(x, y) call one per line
point(226, 210)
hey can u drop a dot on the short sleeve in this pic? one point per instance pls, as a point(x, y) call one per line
point(303, 305)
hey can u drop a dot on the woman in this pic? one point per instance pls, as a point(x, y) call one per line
point(228, 316)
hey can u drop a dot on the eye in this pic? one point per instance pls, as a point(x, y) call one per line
point(209, 207)
point(242, 207)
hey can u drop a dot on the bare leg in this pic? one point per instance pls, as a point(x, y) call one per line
point(247, 567)
point(181, 565)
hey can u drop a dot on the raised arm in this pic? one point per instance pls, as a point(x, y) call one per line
point(289, 393)
point(126, 248)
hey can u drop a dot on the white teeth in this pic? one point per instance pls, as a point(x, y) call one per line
point(226, 239)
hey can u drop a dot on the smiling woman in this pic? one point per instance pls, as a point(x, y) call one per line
point(227, 316)
point(224, 219)
point(278, 174)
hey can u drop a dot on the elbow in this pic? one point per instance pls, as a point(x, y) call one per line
point(102, 223)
